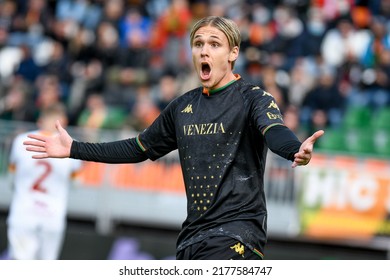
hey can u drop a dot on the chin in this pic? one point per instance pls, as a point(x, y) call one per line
point(207, 84)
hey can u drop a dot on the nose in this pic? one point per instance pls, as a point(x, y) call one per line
point(204, 50)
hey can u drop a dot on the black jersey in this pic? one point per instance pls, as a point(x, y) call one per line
point(222, 152)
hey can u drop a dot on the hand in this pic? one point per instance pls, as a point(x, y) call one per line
point(305, 152)
point(50, 146)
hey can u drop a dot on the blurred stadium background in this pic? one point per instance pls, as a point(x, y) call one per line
point(116, 64)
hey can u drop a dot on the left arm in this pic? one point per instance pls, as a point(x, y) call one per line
point(283, 142)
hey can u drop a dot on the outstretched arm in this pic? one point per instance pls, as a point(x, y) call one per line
point(62, 145)
point(283, 141)
point(303, 156)
point(50, 146)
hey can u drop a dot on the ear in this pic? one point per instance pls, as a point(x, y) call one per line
point(233, 54)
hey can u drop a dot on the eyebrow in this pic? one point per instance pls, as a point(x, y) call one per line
point(212, 36)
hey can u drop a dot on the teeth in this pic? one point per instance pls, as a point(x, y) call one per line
point(205, 70)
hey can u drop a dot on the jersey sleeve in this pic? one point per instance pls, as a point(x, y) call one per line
point(265, 110)
point(160, 138)
point(282, 141)
point(121, 151)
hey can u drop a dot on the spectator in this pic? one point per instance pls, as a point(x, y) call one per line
point(16, 103)
point(59, 65)
point(48, 92)
point(85, 12)
point(324, 105)
point(302, 80)
point(346, 39)
point(97, 114)
point(8, 11)
point(372, 86)
point(80, 46)
point(113, 11)
point(33, 17)
point(28, 67)
point(288, 44)
point(133, 25)
point(169, 36)
point(135, 41)
point(107, 46)
point(260, 28)
point(291, 117)
point(87, 78)
point(379, 41)
point(144, 110)
point(71, 10)
point(315, 30)
point(166, 90)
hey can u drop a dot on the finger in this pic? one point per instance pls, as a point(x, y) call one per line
point(316, 135)
point(305, 154)
point(299, 163)
point(40, 156)
point(301, 160)
point(34, 143)
point(37, 137)
point(59, 126)
point(36, 149)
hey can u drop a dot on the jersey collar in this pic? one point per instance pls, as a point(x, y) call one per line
point(208, 92)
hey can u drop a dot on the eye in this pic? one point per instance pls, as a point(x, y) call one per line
point(197, 44)
point(215, 45)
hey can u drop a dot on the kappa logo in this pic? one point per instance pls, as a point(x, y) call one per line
point(239, 248)
point(273, 105)
point(187, 109)
point(254, 88)
point(266, 93)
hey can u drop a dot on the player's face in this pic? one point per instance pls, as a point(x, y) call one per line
point(212, 57)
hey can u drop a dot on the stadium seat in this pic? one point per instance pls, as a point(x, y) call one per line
point(357, 117)
point(116, 117)
point(333, 141)
point(381, 120)
point(382, 142)
point(360, 141)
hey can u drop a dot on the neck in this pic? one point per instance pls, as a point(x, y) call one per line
point(209, 91)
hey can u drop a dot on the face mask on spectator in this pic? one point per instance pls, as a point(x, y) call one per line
point(316, 27)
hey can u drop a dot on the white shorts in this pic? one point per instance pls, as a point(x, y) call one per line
point(34, 243)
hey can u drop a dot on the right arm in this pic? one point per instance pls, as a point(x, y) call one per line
point(62, 145)
point(123, 151)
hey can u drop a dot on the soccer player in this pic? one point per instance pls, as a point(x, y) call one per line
point(37, 214)
point(222, 131)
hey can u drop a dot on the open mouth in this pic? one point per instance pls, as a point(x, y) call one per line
point(205, 71)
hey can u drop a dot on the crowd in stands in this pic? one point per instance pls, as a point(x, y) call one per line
point(118, 63)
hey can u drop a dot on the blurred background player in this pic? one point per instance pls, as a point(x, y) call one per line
point(37, 214)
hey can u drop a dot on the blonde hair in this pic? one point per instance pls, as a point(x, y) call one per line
point(227, 26)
